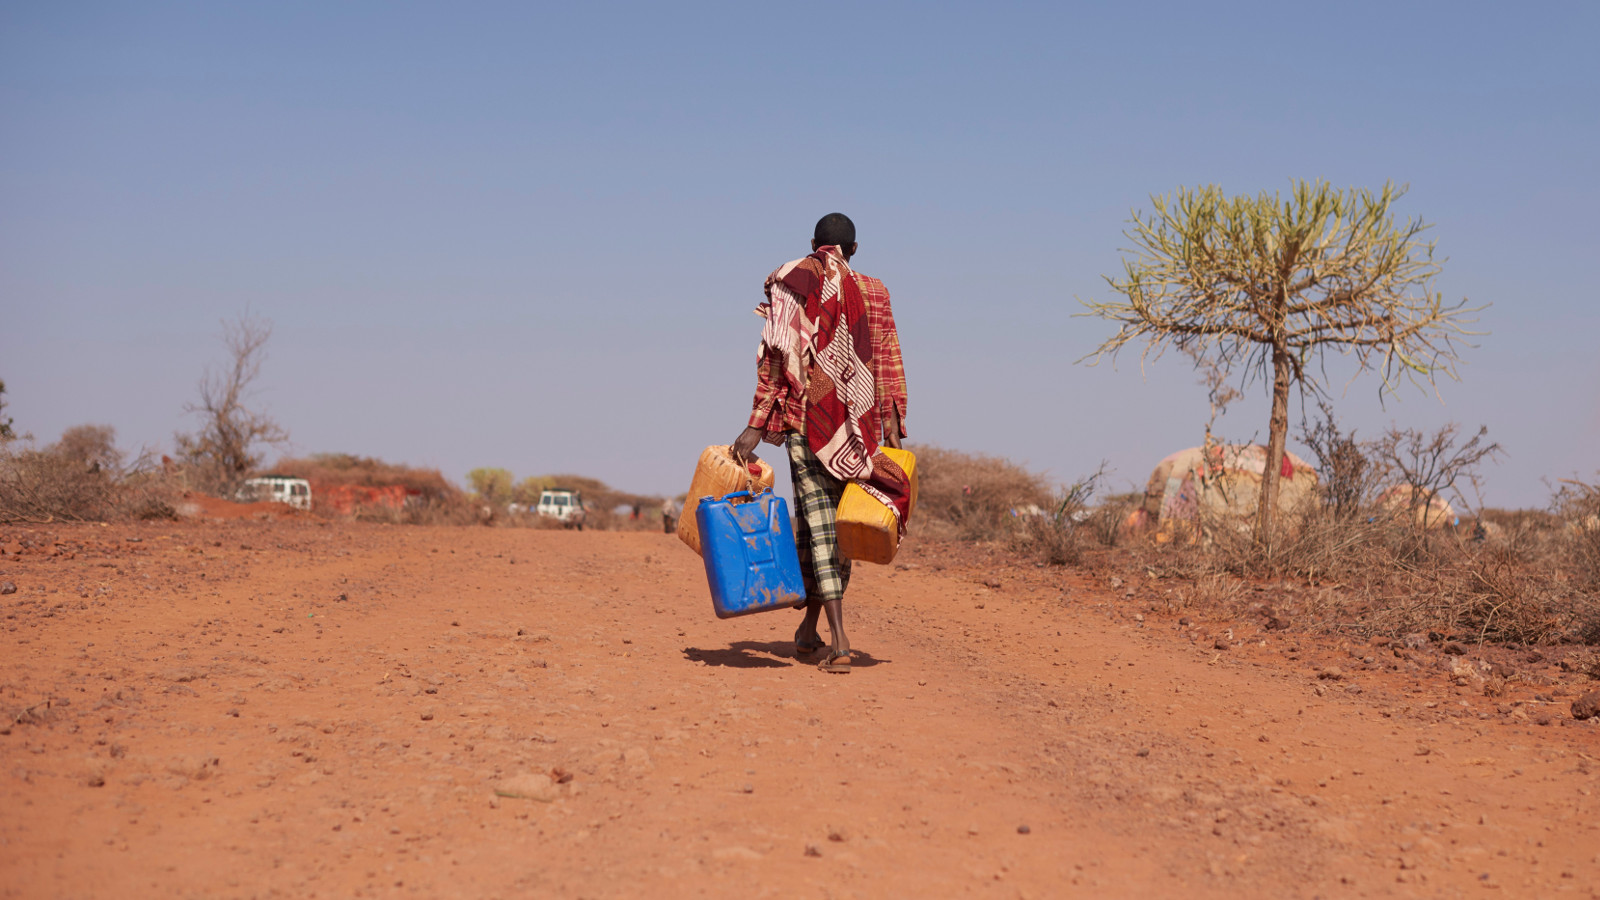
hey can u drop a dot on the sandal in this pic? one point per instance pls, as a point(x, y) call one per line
point(839, 664)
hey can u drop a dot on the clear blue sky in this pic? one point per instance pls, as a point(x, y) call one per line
point(530, 235)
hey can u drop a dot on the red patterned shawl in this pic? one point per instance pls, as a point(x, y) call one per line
point(817, 325)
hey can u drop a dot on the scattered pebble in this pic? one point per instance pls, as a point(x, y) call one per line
point(813, 850)
point(7, 587)
point(1023, 829)
point(1587, 706)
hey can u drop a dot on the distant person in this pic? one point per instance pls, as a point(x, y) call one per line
point(830, 389)
point(669, 515)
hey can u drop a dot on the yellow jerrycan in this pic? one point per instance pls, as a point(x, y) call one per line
point(717, 476)
point(868, 530)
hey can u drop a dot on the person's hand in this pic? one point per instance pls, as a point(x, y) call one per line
point(891, 434)
point(744, 445)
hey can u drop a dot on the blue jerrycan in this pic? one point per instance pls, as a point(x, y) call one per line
point(748, 547)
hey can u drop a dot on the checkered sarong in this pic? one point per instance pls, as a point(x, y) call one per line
point(816, 498)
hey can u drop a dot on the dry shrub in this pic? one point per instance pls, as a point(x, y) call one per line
point(1523, 577)
point(41, 486)
point(81, 478)
point(1059, 534)
point(1382, 575)
point(430, 498)
point(970, 496)
point(365, 471)
point(1576, 512)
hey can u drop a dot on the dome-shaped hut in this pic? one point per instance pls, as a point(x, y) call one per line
point(1222, 480)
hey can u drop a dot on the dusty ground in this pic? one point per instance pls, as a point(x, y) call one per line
point(294, 709)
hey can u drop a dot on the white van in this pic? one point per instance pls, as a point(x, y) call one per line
point(277, 489)
point(564, 505)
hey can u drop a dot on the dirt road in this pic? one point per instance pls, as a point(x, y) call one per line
point(295, 709)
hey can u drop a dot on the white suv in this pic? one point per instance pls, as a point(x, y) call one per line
point(565, 506)
point(277, 489)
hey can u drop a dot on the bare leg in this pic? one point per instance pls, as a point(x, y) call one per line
point(806, 638)
point(839, 653)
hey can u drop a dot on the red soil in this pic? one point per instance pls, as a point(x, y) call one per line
point(253, 708)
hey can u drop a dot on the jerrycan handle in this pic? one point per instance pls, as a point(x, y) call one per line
point(737, 496)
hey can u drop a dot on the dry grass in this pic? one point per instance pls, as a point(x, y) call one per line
point(969, 496)
point(1522, 582)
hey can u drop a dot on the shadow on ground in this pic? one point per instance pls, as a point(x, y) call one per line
point(768, 655)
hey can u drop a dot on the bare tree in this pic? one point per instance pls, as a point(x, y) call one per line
point(227, 448)
point(1265, 285)
point(1431, 464)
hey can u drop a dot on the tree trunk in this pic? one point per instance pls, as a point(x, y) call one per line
point(1277, 432)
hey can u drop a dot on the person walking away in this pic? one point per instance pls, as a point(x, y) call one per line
point(830, 390)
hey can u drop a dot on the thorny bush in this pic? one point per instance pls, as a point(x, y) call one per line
point(81, 478)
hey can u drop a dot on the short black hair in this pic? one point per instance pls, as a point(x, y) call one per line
point(834, 229)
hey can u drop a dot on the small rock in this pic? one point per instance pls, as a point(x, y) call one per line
point(1023, 829)
point(1220, 644)
point(341, 598)
point(972, 829)
point(1544, 719)
point(1424, 750)
point(1143, 751)
point(533, 786)
point(1276, 624)
point(1183, 620)
point(837, 835)
point(1455, 648)
point(1587, 706)
point(7, 587)
point(992, 583)
point(813, 850)
point(748, 788)
point(1330, 673)
point(427, 717)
